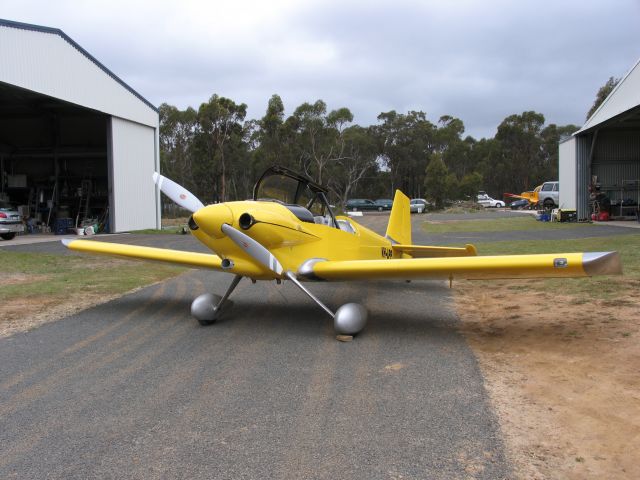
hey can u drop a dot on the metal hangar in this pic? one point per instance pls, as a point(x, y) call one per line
point(76, 142)
point(602, 159)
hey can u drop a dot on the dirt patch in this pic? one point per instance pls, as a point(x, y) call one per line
point(23, 314)
point(562, 374)
point(18, 278)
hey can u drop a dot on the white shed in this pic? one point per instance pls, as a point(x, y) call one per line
point(604, 155)
point(75, 141)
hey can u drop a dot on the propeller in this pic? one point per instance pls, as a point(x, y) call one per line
point(177, 193)
point(188, 200)
point(253, 248)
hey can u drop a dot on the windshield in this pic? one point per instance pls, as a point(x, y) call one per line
point(285, 186)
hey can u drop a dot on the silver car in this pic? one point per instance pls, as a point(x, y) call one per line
point(418, 205)
point(10, 221)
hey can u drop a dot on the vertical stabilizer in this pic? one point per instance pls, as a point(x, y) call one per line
point(399, 228)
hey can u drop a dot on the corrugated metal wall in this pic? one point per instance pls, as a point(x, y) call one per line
point(616, 162)
point(567, 174)
point(132, 153)
point(46, 63)
point(583, 176)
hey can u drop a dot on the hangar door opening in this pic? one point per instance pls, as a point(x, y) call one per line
point(53, 160)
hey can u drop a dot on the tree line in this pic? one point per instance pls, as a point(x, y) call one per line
point(217, 153)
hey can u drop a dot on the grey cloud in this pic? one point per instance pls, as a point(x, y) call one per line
point(479, 61)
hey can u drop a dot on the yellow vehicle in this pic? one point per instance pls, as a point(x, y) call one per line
point(532, 197)
point(289, 232)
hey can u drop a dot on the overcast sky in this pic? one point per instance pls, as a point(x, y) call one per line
point(477, 60)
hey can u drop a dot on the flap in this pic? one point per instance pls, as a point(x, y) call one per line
point(424, 251)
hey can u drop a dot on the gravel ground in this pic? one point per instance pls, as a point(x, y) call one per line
point(136, 388)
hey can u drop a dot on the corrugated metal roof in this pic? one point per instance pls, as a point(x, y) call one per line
point(624, 97)
point(56, 31)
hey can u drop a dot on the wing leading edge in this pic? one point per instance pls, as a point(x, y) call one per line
point(473, 267)
point(189, 259)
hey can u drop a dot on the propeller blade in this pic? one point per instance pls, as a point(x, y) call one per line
point(177, 193)
point(253, 248)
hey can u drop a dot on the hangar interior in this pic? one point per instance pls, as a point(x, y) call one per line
point(53, 159)
point(611, 155)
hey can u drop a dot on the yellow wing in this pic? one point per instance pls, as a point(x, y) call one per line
point(472, 267)
point(189, 259)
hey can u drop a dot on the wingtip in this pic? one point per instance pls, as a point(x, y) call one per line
point(601, 263)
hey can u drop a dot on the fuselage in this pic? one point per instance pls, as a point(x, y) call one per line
point(291, 240)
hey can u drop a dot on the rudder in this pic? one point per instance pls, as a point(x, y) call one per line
point(399, 228)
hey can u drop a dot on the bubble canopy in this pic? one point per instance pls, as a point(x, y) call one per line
point(282, 185)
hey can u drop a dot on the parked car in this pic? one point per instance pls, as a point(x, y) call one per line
point(519, 204)
point(418, 205)
point(384, 204)
point(357, 204)
point(486, 201)
point(10, 221)
point(549, 194)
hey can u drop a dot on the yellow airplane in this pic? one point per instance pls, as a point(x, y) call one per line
point(289, 232)
point(531, 197)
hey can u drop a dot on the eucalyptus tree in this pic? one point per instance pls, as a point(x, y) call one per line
point(405, 143)
point(177, 130)
point(521, 160)
point(602, 94)
point(319, 136)
point(551, 136)
point(270, 134)
point(219, 124)
point(439, 183)
point(357, 161)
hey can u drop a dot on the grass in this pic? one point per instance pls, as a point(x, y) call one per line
point(460, 209)
point(169, 226)
point(39, 274)
point(31, 274)
point(583, 289)
point(496, 225)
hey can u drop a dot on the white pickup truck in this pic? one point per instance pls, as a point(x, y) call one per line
point(549, 195)
point(486, 201)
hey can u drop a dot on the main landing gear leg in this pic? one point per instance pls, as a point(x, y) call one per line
point(206, 307)
point(349, 319)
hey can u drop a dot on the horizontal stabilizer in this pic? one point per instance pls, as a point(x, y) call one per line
point(423, 251)
point(473, 267)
